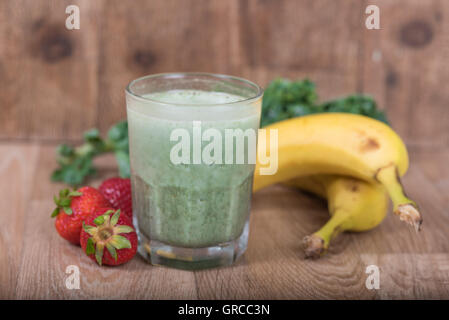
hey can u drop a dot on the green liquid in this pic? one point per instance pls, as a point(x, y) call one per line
point(188, 205)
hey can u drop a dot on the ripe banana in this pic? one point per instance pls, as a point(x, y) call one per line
point(341, 144)
point(354, 205)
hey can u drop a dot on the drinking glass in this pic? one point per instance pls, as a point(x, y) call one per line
point(188, 134)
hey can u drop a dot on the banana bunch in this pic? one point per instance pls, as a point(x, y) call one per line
point(353, 161)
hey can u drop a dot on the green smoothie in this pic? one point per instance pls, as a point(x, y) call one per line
point(188, 205)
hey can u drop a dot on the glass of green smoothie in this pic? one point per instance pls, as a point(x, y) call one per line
point(192, 143)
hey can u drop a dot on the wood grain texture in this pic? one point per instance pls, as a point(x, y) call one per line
point(319, 40)
point(437, 172)
point(33, 258)
point(48, 74)
point(17, 167)
point(54, 83)
point(405, 68)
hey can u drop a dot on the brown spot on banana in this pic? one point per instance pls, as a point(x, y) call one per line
point(352, 185)
point(369, 144)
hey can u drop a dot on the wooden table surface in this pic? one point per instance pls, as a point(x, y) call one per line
point(33, 258)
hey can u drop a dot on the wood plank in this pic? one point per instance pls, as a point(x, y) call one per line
point(405, 64)
point(48, 73)
point(411, 265)
point(159, 36)
point(284, 34)
point(17, 164)
point(402, 65)
point(301, 39)
point(433, 164)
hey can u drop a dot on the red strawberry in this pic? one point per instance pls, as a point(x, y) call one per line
point(118, 192)
point(72, 208)
point(108, 237)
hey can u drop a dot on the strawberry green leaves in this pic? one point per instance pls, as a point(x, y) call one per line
point(89, 229)
point(104, 218)
point(99, 253)
point(90, 248)
point(123, 229)
point(55, 212)
point(115, 218)
point(112, 251)
point(68, 210)
point(64, 201)
point(99, 220)
point(120, 242)
point(106, 233)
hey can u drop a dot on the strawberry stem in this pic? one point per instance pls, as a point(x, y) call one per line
point(106, 233)
point(64, 201)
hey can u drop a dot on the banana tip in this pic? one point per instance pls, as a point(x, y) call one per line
point(313, 246)
point(409, 213)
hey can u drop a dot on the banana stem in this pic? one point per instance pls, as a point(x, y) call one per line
point(405, 208)
point(317, 244)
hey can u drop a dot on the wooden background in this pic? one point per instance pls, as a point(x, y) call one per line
point(55, 83)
